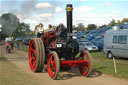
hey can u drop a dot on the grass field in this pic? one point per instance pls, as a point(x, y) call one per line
point(10, 74)
point(105, 65)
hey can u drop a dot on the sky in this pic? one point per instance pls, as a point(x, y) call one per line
point(53, 12)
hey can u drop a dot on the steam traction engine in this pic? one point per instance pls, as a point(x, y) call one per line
point(58, 50)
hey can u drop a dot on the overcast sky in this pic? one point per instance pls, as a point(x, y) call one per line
point(53, 11)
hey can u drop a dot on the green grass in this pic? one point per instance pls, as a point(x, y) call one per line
point(105, 65)
point(10, 74)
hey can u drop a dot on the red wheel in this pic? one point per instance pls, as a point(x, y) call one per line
point(53, 65)
point(86, 68)
point(36, 54)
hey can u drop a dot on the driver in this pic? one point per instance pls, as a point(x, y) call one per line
point(50, 28)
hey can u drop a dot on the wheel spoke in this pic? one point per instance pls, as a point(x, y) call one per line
point(50, 68)
point(33, 59)
point(53, 65)
point(34, 64)
point(52, 62)
point(33, 50)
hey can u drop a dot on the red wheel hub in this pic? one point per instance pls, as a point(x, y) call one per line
point(51, 65)
point(32, 55)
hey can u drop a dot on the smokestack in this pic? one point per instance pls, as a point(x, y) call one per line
point(69, 18)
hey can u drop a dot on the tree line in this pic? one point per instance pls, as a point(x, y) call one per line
point(113, 22)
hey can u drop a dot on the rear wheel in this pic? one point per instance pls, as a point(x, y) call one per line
point(36, 54)
point(53, 65)
point(85, 68)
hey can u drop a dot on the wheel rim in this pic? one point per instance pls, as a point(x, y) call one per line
point(32, 55)
point(84, 68)
point(51, 65)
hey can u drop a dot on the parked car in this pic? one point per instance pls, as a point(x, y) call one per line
point(98, 42)
point(91, 35)
point(116, 43)
point(123, 26)
point(19, 38)
point(87, 46)
point(82, 40)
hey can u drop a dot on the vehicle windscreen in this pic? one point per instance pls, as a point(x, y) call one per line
point(88, 44)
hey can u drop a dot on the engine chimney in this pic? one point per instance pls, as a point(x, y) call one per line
point(69, 19)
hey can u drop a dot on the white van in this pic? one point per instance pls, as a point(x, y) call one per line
point(116, 43)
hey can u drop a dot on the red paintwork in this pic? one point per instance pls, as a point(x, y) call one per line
point(84, 65)
point(51, 65)
point(70, 63)
point(32, 55)
point(47, 37)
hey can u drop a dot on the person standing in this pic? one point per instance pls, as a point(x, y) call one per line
point(39, 30)
point(11, 43)
point(17, 44)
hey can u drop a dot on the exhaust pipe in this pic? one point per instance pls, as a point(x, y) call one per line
point(69, 19)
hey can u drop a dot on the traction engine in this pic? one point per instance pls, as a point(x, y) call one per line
point(57, 50)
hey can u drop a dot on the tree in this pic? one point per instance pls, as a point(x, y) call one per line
point(81, 26)
point(74, 28)
point(25, 27)
point(91, 26)
point(102, 26)
point(125, 20)
point(21, 30)
point(118, 22)
point(112, 23)
point(36, 27)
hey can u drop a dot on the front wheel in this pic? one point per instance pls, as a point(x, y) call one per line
point(109, 55)
point(85, 68)
point(53, 65)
